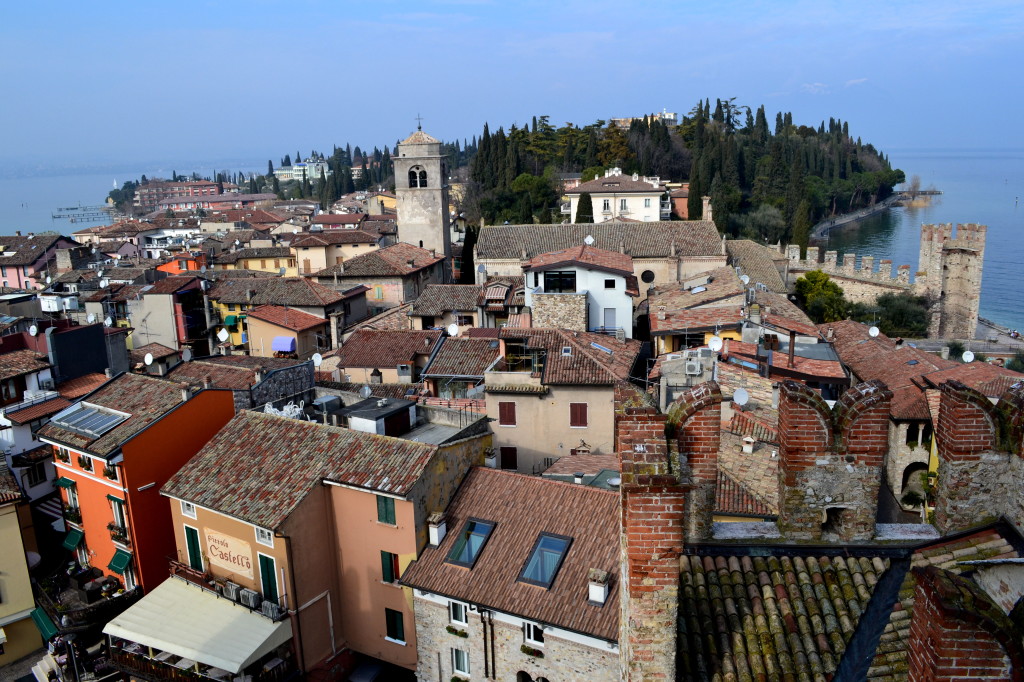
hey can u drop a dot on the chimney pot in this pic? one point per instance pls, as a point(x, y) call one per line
point(186, 392)
point(577, 478)
point(597, 586)
point(437, 528)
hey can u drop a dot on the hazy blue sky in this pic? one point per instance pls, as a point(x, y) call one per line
point(189, 81)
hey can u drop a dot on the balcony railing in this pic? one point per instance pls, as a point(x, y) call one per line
point(139, 664)
point(207, 582)
point(118, 533)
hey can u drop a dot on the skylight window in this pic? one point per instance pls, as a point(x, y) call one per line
point(470, 542)
point(545, 560)
point(89, 420)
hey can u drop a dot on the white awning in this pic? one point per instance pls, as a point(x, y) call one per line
point(188, 621)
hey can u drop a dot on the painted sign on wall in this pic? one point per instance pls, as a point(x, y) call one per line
point(228, 552)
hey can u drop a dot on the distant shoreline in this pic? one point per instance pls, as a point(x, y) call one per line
point(820, 231)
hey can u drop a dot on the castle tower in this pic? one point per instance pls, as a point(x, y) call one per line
point(421, 185)
point(949, 271)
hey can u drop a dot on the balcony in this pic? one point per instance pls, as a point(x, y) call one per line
point(566, 208)
point(208, 583)
point(81, 599)
point(72, 514)
point(119, 534)
point(144, 663)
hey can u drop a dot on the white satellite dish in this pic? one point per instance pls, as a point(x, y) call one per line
point(481, 268)
point(741, 397)
point(873, 332)
point(90, 318)
point(588, 240)
point(186, 355)
point(33, 330)
point(317, 359)
point(968, 356)
point(104, 283)
point(223, 335)
point(453, 329)
point(100, 273)
point(148, 359)
point(715, 343)
point(49, 279)
point(202, 269)
point(282, 271)
point(107, 322)
point(365, 392)
point(745, 279)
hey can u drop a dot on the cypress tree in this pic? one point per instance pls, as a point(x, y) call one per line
point(585, 209)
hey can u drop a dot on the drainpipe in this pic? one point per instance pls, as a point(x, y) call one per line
point(294, 613)
point(792, 347)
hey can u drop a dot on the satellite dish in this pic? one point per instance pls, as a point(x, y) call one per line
point(481, 268)
point(90, 318)
point(94, 249)
point(100, 273)
point(317, 359)
point(453, 329)
point(741, 397)
point(186, 355)
point(237, 243)
point(968, 356)
point(873, 332)
point(108, 322)
point(202, 269)
point(148, 359)
point(223, 335)
point(365, 392)
point(588, 240)
point(104, 283)
point(33, 330)
point(745, 279)
point(715, 343)
point(282, 271)
point(49, 279)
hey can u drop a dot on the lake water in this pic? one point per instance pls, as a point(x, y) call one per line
point(985, 187)
point(979, 186)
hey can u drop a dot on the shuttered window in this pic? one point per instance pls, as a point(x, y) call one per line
point(578, 414)
point(389, 567)
point(506, 414)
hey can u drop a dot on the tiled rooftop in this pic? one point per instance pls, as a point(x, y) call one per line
point(757, 262)
point(245, 254)
point(25, 250)
point(328, 237)
point(39, 410)
point(586, 256)
point(394, 319)
point(145, 398)
point(522, 507)
point(288, 318)
point(79, 386)
point(20, 362)
point(386, 348)
point(289, 291)
point(157, 350)
point(259, 466)
point(463, 357)
point(9, 490)
point(397, 260)
point(643, 240)
point(770, 618)
point(586, 365)
point(438, 299)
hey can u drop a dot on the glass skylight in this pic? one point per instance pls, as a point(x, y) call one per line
point(545, 560)
point(470, 542)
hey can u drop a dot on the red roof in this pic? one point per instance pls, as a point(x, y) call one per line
point(38, 410)
point(289, 318)
point(599, 259)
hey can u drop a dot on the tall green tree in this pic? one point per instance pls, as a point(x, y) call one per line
point(585, 209)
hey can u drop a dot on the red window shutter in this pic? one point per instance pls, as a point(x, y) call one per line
point(507, 414)
point(577, 414)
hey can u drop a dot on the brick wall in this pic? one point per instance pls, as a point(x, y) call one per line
point(653, 502)
point(831, 460)
point(958, 634)
point(696, 417)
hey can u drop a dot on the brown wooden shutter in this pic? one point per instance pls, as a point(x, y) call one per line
point(506, 414)
point(577, 414)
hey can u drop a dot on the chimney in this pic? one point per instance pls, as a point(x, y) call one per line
point(249, 294)
point(17, 233)
point(653, 502)
point(437, 528)
point(207, 382)
point(697, 417)
point(109, 373)
point(186, 392)
point(597, 586)
point(792, 347)
point(577, 478)
point(259, 373)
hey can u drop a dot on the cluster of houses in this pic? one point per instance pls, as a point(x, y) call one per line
point(265, 444)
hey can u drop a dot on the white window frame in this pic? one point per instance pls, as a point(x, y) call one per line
point(622, 204)
point(647, 202)
point(264, 537)
point(455, 661)
point(188, 509)
point(531, 629)
point(82, 554)
point(117, 509)
point(452, 606)
point(606, 205)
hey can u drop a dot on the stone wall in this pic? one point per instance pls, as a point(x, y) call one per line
point(901, 455)
point(560, 311)
point(653, 502)
point(980, 466)
point(830, 461)
point(563, 659)
point(291, 383)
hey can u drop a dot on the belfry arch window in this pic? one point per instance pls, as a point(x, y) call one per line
point(417, 177)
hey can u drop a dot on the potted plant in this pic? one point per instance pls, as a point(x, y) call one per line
point(110, 472)
point(530, 651)
point(63, 455)
point(456, 631)
point(85, 463)
point(72, 514)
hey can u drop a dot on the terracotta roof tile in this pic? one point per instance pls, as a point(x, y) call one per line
point(76, 388)
point(26, 250)
point(20, 362)
point(386, 348)
point(588, 465)
point(338, 218)
point(757, 262)
point(158, 351)
point(234, 372)
point(289, 318)
point(463, 357)
point(522, 507)
point(438, 299)
point(586, 364)
point(9, 490)
point(991, 380)
point(37, 411)
point(145, 398)
point(328, 237)
point(616, 184)
point(259, 467)
point(644, 240)
point(286, 291)
point(599, 259)
point(244, 254)
point(394, 319)
point(397, 260)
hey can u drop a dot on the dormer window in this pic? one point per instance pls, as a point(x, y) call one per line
point(470, 542)
point(566, 350)
point(546, 558)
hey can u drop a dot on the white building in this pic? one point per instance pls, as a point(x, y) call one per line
point(617, 197)
point(605, 277)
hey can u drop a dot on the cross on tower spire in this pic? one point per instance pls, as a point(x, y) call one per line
point(419, 122)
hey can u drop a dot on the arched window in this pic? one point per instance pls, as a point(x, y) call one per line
point(523, 677)
point(423, 178)
point(412, 178)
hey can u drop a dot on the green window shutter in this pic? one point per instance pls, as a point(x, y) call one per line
point(72, 539)
point(268, 577)
point(395, 624)
point(195, 553)
point(386, 567)
point(64, 482)
point(385, 510)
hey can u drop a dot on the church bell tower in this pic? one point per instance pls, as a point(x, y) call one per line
point(421, 185)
